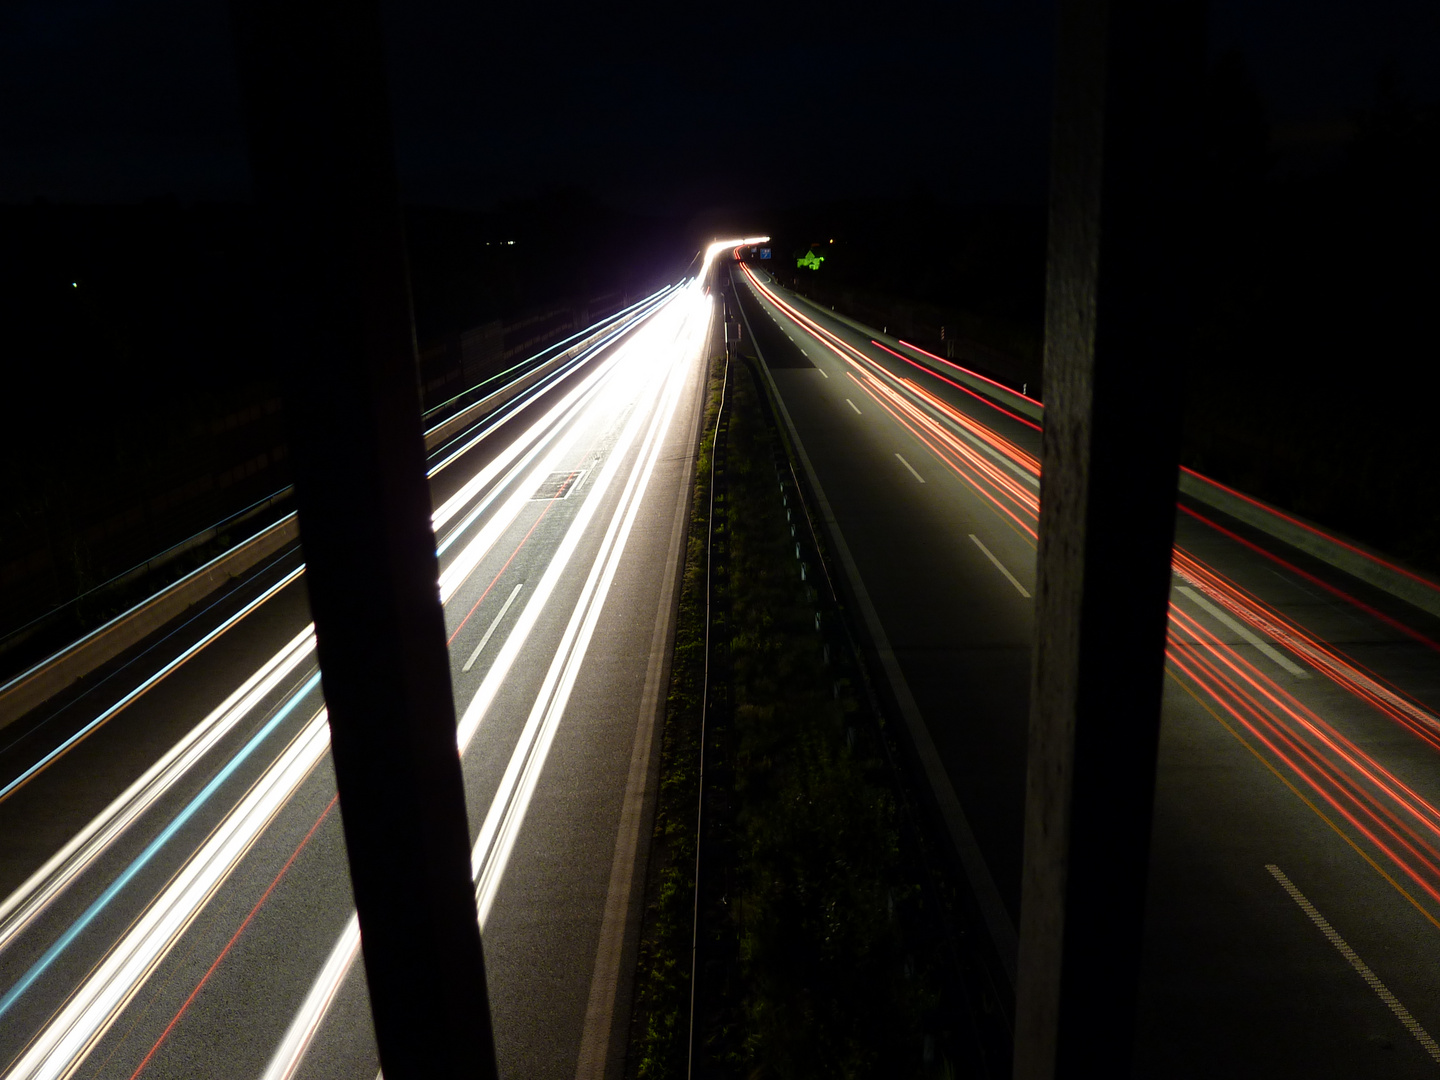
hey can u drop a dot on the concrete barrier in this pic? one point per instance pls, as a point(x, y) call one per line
point(37, 685)
point(1009, 398)
point(447, 429)
point(1352, 557)
point(44, 680)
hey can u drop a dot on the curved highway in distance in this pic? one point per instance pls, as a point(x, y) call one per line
point(176, 898)
point(1293, 915)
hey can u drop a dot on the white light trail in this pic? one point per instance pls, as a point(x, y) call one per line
point(46, 883)
point(62, 1045)
point(690, 329)
point(95, 1004)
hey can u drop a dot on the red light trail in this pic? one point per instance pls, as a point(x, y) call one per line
point(1383, 811)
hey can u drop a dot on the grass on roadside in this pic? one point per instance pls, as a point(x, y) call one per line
point(659, 1024)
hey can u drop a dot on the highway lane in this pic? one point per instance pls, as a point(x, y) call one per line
point(1298, 726)
point(293, 876)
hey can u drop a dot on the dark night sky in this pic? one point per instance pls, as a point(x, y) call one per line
point(104, 100)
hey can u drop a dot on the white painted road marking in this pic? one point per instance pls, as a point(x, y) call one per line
point(1245, 632)
point(508, 601)
point(853, 406)
point(913, 473)
point(999, 566)
point(1403, 1014)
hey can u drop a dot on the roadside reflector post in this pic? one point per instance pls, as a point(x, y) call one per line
point(1127, 76)
point(322, 163)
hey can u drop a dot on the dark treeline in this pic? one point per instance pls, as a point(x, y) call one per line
point(1315, 361)
point(976, 271)
point(140, 401)
point(1311, 260)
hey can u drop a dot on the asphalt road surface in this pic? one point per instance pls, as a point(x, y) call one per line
point(1293, 921)
point(177, 897)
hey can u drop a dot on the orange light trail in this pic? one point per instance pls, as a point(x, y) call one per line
point(1398, 823)
point(973, 374)
point(963, 389)
point(1317, 532)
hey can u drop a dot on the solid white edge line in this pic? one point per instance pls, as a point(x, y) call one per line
point(960, 431)
point(605, 979)
point(507, 812)
point(1000, 566)
point(288, 1057)
point(957, 824)
point(1362, 969)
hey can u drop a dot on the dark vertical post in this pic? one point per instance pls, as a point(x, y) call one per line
point(323, 167)
point(1127, 74)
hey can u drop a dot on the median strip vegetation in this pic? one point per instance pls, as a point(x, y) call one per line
point(819, 948)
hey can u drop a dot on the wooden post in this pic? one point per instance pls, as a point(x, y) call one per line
point(1127, 77)
point(323, 167)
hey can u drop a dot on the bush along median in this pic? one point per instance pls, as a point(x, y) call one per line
point(819, 951)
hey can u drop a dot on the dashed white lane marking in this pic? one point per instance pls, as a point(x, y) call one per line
point(818, 368)
point(913, 473)
point(853, 406)
point(1246, 633)
point(508, 601)
point(1403, 1014)
point(1000, 566)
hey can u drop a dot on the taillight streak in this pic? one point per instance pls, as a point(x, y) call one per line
point(1315, 753)
point(979, 471)
point(963, 389)
point(1339, 668)
point(1388, 813)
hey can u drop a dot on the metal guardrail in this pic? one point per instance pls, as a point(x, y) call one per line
point(1350, 556)
point(38, 683)
point(22, 633)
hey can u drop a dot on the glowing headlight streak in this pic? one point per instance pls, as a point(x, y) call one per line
point(615, 388)
point(90, 1011)
point(714, 250)
point(71, 860)
point(81, 851)
point(507, 811)
point(465, 443)
point(530, 612)
point(556, 348)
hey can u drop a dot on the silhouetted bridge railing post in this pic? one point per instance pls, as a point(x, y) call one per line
point(323, 168)
point(1127, 78)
